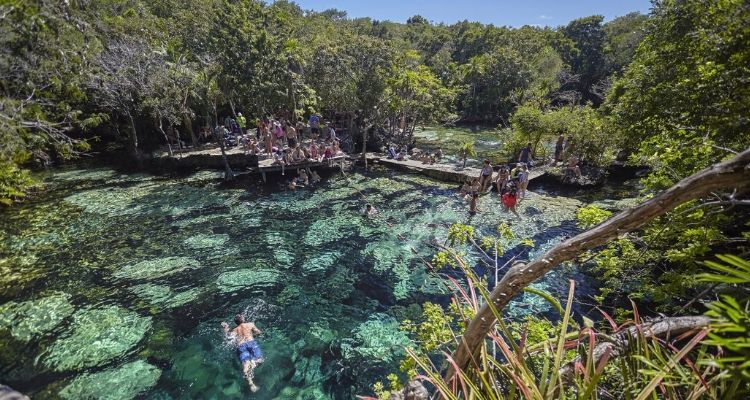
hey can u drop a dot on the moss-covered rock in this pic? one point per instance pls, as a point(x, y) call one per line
point(163, 296)
point(122, 383)
point(379, 339)
point(202, 241)
point(31, 318)
point(156, 268)
point(96, 336)
point(247, 279)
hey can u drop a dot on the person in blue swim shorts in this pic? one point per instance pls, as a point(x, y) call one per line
point(248, 350)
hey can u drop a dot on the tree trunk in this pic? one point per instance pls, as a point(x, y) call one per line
point(134, 152)
point(228, 173)
point(166, 137)
point(734, 173)
point(669, 326)
point(189, 126)
point(364, 147)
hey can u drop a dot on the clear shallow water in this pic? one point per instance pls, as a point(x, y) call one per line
point(488, 142)
point(113, 286)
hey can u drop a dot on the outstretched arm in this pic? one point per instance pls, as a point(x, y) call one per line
point(255, 329)
point(226, 327)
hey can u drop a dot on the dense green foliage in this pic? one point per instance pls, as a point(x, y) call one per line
point(120, 75)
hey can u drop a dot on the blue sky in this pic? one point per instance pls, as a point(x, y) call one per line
point(498, 12)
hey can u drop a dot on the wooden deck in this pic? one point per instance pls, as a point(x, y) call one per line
point(443, 172)
point(210, 157)
point(243, 164)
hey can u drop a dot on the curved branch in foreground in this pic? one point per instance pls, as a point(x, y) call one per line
point(670, 326)
point(734, 173)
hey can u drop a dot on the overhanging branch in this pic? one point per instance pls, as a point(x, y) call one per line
point(734, 173)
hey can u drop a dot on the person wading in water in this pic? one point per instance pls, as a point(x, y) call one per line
point(248, 350)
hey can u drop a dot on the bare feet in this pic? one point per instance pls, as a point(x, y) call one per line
point(254, 388)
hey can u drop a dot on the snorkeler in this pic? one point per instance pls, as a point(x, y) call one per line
point(247, 348)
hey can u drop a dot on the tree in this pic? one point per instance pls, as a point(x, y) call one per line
point(44, 65)
point(126, 71)
point(683, 102)
point(586, 59)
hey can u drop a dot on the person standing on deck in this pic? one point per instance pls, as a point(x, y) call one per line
point(314, 126)
point(559, 148)
point(291, 134)
point(331, 133)
point(248, 351)
point(242, 122)
point(525, 156)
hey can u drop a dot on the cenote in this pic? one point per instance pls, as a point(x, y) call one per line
point(113, 285)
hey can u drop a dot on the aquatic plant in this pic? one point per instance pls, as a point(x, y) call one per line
point(328, 230)
point(96, 336)
point(122, 383)
point(30, 318)
point(377, 339)
point(247, 278)
point(393, 258)
point(93, 174)
point(203, 241)
point(321, 262)
point(164, 296)
point(16, 270)
point(113, 201)
point(156, 268)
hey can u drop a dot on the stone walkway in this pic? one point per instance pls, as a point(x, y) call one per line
point(443, 172)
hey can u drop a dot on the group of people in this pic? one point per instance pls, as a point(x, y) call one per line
point(305, 177)
point(511, 185)
point(424, 156)
point(278, 138)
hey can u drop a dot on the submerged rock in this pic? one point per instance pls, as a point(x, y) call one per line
point(202, 241)
point(164, 296)
point(247, 279)
point(156, 268)
point(122, 383)
point(377, 340)
point(320, 263)
point(32, 318)
point(96, 336)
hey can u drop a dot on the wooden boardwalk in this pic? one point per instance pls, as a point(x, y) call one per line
point(247, 164)
point(443, 172)
point(243, 164)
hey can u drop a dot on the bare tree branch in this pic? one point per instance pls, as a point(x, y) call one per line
point(733, 173)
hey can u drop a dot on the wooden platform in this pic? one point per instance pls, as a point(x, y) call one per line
point(443, 172)
point(243, 164)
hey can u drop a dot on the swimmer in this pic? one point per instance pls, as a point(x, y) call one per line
point(248, 350)
point(369, 210)
point(315, 177)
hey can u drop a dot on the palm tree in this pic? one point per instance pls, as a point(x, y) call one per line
point(465, 151)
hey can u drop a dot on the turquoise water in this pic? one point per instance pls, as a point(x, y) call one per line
point(488, 142)
point(113, 286)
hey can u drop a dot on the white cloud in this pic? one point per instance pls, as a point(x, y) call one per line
point(545, 17)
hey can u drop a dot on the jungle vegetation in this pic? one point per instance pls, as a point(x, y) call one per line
point(101, 76)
